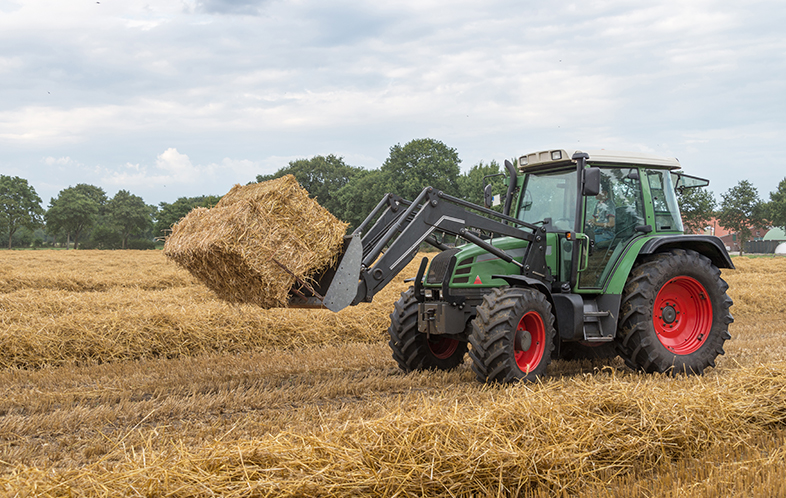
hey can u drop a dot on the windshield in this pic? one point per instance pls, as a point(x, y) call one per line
point(550, 195)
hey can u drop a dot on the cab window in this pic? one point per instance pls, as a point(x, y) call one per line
point(664, 201)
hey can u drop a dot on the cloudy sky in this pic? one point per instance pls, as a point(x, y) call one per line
point(188, 97)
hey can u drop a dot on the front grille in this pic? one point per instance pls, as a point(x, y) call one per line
point(439, 266)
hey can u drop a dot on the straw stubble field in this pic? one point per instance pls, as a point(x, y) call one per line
point(123, 376)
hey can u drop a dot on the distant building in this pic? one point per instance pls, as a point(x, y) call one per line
point(777, 234)
point(732, 239)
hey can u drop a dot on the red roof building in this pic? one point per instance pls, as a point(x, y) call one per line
point(731, 239)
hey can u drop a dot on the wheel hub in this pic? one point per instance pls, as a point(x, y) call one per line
point(524, 339)
point(442, 347)
point(669, 314)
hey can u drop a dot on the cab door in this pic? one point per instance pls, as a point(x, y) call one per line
point(610, 219)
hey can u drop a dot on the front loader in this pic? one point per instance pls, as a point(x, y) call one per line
point(587, 258)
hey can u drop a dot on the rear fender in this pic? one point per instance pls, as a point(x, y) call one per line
point(706, 245)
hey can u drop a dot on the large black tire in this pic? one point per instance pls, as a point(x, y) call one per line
point(498, 354)
point(674, 315)
point(413, 350)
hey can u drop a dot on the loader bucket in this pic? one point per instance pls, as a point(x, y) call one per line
point(336, 287)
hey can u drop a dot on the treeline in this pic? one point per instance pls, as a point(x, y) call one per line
point(740, 211)
point(350, 192)
point(84, 216)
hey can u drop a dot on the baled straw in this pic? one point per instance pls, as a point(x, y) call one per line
point(258, 242)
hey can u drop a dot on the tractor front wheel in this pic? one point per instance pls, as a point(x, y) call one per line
point(413, 350)
point(674, 315)
point(512, 335)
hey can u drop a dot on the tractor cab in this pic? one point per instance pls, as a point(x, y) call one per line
point(604, 199)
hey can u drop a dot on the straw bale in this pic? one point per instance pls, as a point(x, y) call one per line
point(258, 242)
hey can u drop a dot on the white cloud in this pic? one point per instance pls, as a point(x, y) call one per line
point(171, 168)
point(59, 161)
point(241, 87)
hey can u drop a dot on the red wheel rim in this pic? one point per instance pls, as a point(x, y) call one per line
point(682, 315)
point(529, 358)
point(442, 347)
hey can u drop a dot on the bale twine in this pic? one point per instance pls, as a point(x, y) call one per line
point(258, 242)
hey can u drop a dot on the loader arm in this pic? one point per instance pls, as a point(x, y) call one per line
point(434, 211)
point(394, 231)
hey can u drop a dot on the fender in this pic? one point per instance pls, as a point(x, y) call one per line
point(568, 308)
point(707, 245)
point(522, 281)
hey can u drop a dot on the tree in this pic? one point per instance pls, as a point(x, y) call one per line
point(776, 208)
point(169, 214)
point(421, 163)
point(470, 184)
point(355, 200)
point(72, 212)
point(129, 214)
point(20, 206)
point(321, 176)
point(697, 206)
point(93, 193)
point(741, 210)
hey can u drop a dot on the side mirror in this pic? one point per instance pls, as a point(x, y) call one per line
point(591, 184)
point(488, 197)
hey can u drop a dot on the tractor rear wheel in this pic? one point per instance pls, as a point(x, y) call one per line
point(674, 315)
point(413, 350)
point(512, 335)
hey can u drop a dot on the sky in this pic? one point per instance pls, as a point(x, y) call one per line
point(180, 98)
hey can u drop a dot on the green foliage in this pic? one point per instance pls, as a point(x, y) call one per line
point(169, 214)
point(72, 212)
point(471, 183)
point(141, 244)
point(357, 198)
point(776, 208)
point(93, 193)
point(697, 206)
point(421, 163)
point(22, 238)
point(20, 206)
point(321, 176)
point(741, 210)
point(129, 214)
point(103, 237)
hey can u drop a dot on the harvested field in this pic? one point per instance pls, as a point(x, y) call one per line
point(137, 380)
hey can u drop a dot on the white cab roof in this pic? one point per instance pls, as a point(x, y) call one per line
point(556, 156)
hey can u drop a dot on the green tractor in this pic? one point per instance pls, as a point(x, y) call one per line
point(587, 259)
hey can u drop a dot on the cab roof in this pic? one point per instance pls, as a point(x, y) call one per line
point(556, 157)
